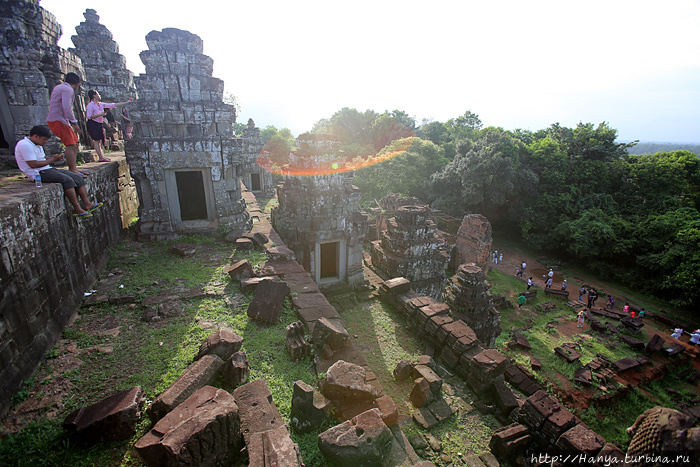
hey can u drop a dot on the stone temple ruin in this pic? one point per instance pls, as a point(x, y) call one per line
point(185, 159)
point(411, 248)
point(319, 215)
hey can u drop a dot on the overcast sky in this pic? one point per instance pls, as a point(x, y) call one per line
point(517, 64)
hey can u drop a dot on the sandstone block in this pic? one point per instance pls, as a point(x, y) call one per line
point(240, 270)
point(363, 440)
point(113, 418)
point(257, 411)
point(267, 303)
point(236, 370)
point(581, 440)
point(421, 394)
point(204, 430)
point(222, 343)
point(273, 448)
point(309, 408)
point(201, 373)
point(330, 332)
point(347, 381)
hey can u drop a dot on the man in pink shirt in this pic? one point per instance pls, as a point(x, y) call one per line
point(61, 120)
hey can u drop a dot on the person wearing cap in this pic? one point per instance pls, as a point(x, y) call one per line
point(677, 333)
point(695, 337)
point(563, 285)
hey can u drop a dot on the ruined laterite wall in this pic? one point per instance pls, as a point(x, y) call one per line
point(48, 259)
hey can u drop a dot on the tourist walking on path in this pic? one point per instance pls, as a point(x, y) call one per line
point(529, 283)
point(590, 300)
point(642, 313)
point(695, 338)
point(579, 319)
point(500, 258)
point(626, 309)
point(677, 333)
point(563, 285)
point(581, 291)
point(31, 159)
point(549, 283)
point(96, 111)
point(61, 120)
point(523, 265)
point(611, 302)
point(495, 257)
point(521, 300)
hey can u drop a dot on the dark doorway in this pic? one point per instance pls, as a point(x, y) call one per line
point(254, 182)
point(190, 193)
point(329, 259)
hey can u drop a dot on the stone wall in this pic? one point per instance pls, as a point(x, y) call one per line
point(49, 259)
point(31, 64)
point(473, 243)
point(183, 125)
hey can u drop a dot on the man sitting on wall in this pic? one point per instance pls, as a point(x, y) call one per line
point(31, 159)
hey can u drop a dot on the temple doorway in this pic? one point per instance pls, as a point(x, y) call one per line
point(190, 193)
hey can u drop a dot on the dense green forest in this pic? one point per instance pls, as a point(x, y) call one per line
point(575, 192)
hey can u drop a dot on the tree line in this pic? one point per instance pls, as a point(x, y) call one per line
point(576, 192)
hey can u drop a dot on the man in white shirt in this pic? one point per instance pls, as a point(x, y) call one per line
point(31, 159)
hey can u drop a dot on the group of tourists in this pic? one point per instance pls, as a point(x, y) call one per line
point(61, 121)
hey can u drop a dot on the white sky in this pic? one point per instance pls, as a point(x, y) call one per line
point(517, 64)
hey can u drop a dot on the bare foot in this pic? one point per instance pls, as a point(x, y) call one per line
point(105, 160)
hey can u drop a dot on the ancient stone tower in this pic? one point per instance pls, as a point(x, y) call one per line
point(411, 248)
point(319, 214)
point(31, 64)
point(105, 67)
point(185, 159)
point(467, 295)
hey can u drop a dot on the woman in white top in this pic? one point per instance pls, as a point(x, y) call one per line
point(95, 112)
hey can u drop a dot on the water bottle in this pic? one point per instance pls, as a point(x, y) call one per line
point(37, 179)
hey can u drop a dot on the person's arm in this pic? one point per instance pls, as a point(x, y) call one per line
point(67, 96)
point(119, 104)
point(35, 164)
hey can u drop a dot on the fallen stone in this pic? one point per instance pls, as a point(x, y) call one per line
point(472, 460)
point(505, 399)
point(183, 249)
point(388, 409)
point(538, 408)
point(567, 354)
point(521, 341)
point(295, 342)
point(535, 364)
point(440, 409)
point(347, 381)
point(113, 418)
point(403, 370)
point(625, 364)
point(251, 285)
point(433, 379)
point(421, 393)
point(267, 303)
point(363, 440)
point(256, 409)
point(424, 418)
point(273, 448)
point(581, 440)
point(244, 244)
point(281, 268)
point(397, 286)
point(632, 342)
point(510, 440)
point(301, 283)
point(583, 375)
point(236, 370)
point(655, 344)
point(222, 343)
point(201, 373)
point(489, 460)
point(309, 408)
point(239, 271)
point(329, 332)
point(204, 430)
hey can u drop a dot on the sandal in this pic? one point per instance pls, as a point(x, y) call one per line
point(82, 214)
point(97, 206)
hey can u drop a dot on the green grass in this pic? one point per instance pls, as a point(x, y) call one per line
point(153, 355)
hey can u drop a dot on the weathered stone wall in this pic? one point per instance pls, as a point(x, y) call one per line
point(31, 64)
point(473, 244)
point(182, 124)
point(105, 67)
point(48, 259)
point(322, 205)
point(252, 159)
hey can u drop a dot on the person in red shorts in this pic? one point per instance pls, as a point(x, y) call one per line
point(61, 120)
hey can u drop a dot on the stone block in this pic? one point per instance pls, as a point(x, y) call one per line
point(183, 249)
point(301, 283)
point(505, 399)
point(567, 354)
point(348, 381)
point(421, 393)
point(280, 268)
point(236, 370)
point(363, 440)
point(583, 375)
point(113, 418)
point(510, 440)
point(611, 456)
point(273, 448)
point(256, 409)
point(396, 286)
point(632, 342)
point(433, 379)
point(204, 430)
point(240, 270)
point(309, 408)
point(423, 417)
point(537, 408)
point(295, 342)
point(388, 409)
point(251, 285)
point(625, 364)
point(581, 440)
point(655, 344)
point(329, 332)
point(222, 343)
point(557, 423)
point(403, 370)
point(244, 244)
point(267, 303)
point(440, 409)
point(489, 460)
point(201, 373)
